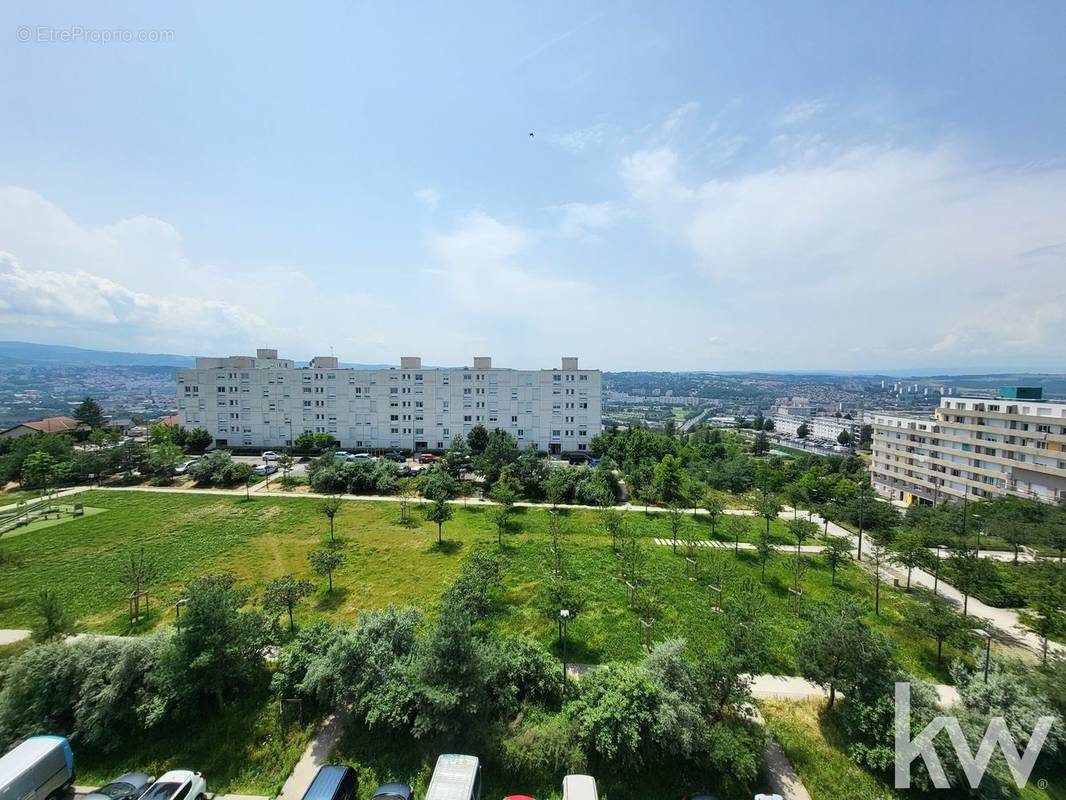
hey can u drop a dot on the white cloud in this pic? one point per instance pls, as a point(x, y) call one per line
point(577, 141)
point(582, 220)
point(899, 250)
point(798, 113)
point(428, 196)
point(677, 116)
point(80, 300)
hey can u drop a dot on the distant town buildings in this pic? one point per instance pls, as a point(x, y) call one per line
point(266, 401)
point(973, 447)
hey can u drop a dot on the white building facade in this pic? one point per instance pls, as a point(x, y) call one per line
point(972, 446)
point(265, 401)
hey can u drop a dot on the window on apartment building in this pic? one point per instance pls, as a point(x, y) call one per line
point(521, 433)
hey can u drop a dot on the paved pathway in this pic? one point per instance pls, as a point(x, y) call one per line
point(783, 778)
point(317, 753)
point(10, 636)
point(1004, 620)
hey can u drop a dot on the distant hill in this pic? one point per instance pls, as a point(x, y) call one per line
point(13, 354)
point(28, 354)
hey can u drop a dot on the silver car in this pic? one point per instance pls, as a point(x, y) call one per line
point(125, 787)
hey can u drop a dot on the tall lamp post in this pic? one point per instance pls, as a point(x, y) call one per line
point(977, 527)
point(564, 617)
point(936, 572)
point(987, 636)
point(862, 497)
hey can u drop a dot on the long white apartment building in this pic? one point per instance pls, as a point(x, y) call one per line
point(266, 401)
point(1014, 444)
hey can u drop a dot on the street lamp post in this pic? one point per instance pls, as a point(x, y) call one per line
point(987, 635)
point(977, 526)
point(862, 496)
point(564, 617)
point(936, 572)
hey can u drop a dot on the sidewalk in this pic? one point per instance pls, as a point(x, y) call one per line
point(317, 753)
point(10, 636)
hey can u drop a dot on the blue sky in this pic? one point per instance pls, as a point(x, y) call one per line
point(709, 186)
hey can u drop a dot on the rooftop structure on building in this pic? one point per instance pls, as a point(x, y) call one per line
point(1012, 444)
point(266, 401)
point(46, 425)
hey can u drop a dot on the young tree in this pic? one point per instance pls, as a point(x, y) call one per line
point(285, 463)
point(1046, 604)
point(438, 484)
point(879, 556)
point(457, 456)
point(611, 520)
point(837, 552)
point(330, 506)
point(765, 549)
point(838, 651)
point(970, 571)
point(714, 508)
point(408, 493)
point(285, 593)
point(802, 529)
point(760, 444)
point(557, 485)
point(676, 516)
point(90, 414)
point(844, 438)
point(165, 457)
point(325, 560)
point(767, 506)
point(942, 623)
point(734, 525)
point(1055, 536)
point(439, 512)
point(51, 622)
point(802, 432)
point(139, 571)
point(909, 550)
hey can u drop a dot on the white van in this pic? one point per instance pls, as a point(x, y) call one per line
point(580, 787)
point(38, 769)
point(456, 777)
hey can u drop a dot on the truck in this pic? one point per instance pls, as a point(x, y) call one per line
point(40, 768)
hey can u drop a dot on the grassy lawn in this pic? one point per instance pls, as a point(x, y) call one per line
point(387, 562)
point(816, 747)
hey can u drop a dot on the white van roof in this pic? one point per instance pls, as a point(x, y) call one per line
point(453, 777)
point(25, 755)
point(579, 787)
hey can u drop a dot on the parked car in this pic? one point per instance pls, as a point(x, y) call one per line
point(183, 467)
point(37, 769)
point(266, 469)
point(270, 455)
point(125, 787)
point(361, 457)
point(518, 797)
point(699, 796)
point(456, 777)
point(333, 782)
point(178, 784)
point(393, 791)
point(428, 458)
point(396, 455)
point(342, 455)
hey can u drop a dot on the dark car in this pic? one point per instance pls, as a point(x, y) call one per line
point(699, 797)
point(396, 456)
point(393, 791)
point(333, 782)
point(125, 787)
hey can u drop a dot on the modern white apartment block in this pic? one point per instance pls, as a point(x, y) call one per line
point(830, 428)
point(266, 401)
point(1014, 444)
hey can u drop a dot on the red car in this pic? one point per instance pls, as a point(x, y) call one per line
point(428, 458)
point(518, 797)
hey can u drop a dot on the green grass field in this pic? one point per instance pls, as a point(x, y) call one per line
point(388, 562)
point(816, 746)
